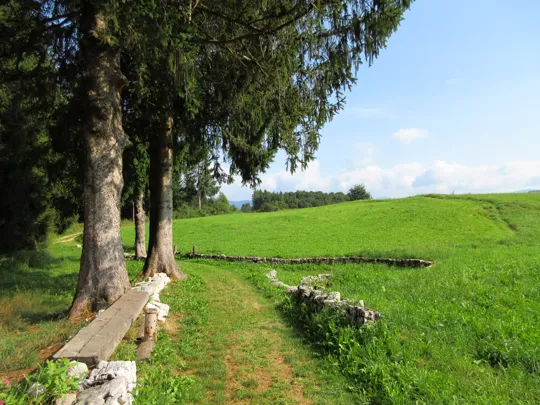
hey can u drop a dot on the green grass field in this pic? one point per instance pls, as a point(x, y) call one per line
point(397, 228)
point(466, 330)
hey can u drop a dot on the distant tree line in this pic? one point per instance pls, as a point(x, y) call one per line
point(267, 201)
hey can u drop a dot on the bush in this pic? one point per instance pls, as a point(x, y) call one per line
point(358, 192)
point(246, 207)
point(269, 207)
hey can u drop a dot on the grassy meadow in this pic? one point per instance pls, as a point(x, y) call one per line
point(465, 331)
point(398, 228)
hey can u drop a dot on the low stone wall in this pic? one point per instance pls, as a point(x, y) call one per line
point(314, 260)
point(302, 260)
point(311, 292)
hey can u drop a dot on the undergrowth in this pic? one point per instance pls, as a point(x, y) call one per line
point(50, 382)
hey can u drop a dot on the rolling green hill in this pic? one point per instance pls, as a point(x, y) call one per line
point(464, 331)
point(412, 226)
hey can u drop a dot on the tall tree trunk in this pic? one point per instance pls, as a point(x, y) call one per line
point(103, 277)
point(140, 226)
point(160, 249)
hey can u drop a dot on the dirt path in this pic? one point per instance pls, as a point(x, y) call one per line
point(68, 238)
point(241, 351)
point(255, 357)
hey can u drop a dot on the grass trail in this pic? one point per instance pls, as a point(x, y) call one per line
point(235, 349)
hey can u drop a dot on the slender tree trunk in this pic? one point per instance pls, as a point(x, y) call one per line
point(160, 249)
point(140, 226)
point(103, 277)
point(199, 190)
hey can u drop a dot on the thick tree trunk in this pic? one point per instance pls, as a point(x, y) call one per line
point(140, 226)
point(160, 249)
point(103, 277)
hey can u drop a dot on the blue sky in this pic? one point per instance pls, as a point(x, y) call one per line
point(453, 103)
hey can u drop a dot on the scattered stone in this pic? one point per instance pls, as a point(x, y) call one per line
point(272, 274)
point(68, 399)
point(359, 316)
point(154, 284)
point(320, 281)
point(112, 392)
point(109, 370)
point(162, 309)
point(36, 390)
point(78, 370)
point(291, 289)
point(311, 291)
point(110, 383)
point(278, 283)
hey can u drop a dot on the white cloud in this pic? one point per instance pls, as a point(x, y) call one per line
point(407, 135)
point(406, 179)
point(310, 179)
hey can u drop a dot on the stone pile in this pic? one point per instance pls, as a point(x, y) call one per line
point(311, 291)
point(154, 285)
point(110, 383)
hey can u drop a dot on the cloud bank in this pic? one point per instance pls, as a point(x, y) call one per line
point(406, 179)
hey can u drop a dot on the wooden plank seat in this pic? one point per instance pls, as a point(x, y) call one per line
point(98, 340)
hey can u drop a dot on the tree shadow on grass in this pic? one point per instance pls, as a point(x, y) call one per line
point(32, 275)
point(129, 249)
point(36, 287)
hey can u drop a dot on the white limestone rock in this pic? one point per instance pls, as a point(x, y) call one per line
point(272, 275)
point(68, 399)
point(163, 309)
point(78, 370)
point(106, 371)
point(36, 390)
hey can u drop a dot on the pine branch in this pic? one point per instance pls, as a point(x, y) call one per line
point(259, 33)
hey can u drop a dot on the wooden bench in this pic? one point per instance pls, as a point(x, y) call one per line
point(98, 340)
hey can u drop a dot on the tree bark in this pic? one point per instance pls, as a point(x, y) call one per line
point(103, 277)
point(160, 249)
point(140, 226)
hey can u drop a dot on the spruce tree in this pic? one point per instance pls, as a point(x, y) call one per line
point(239, 79)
